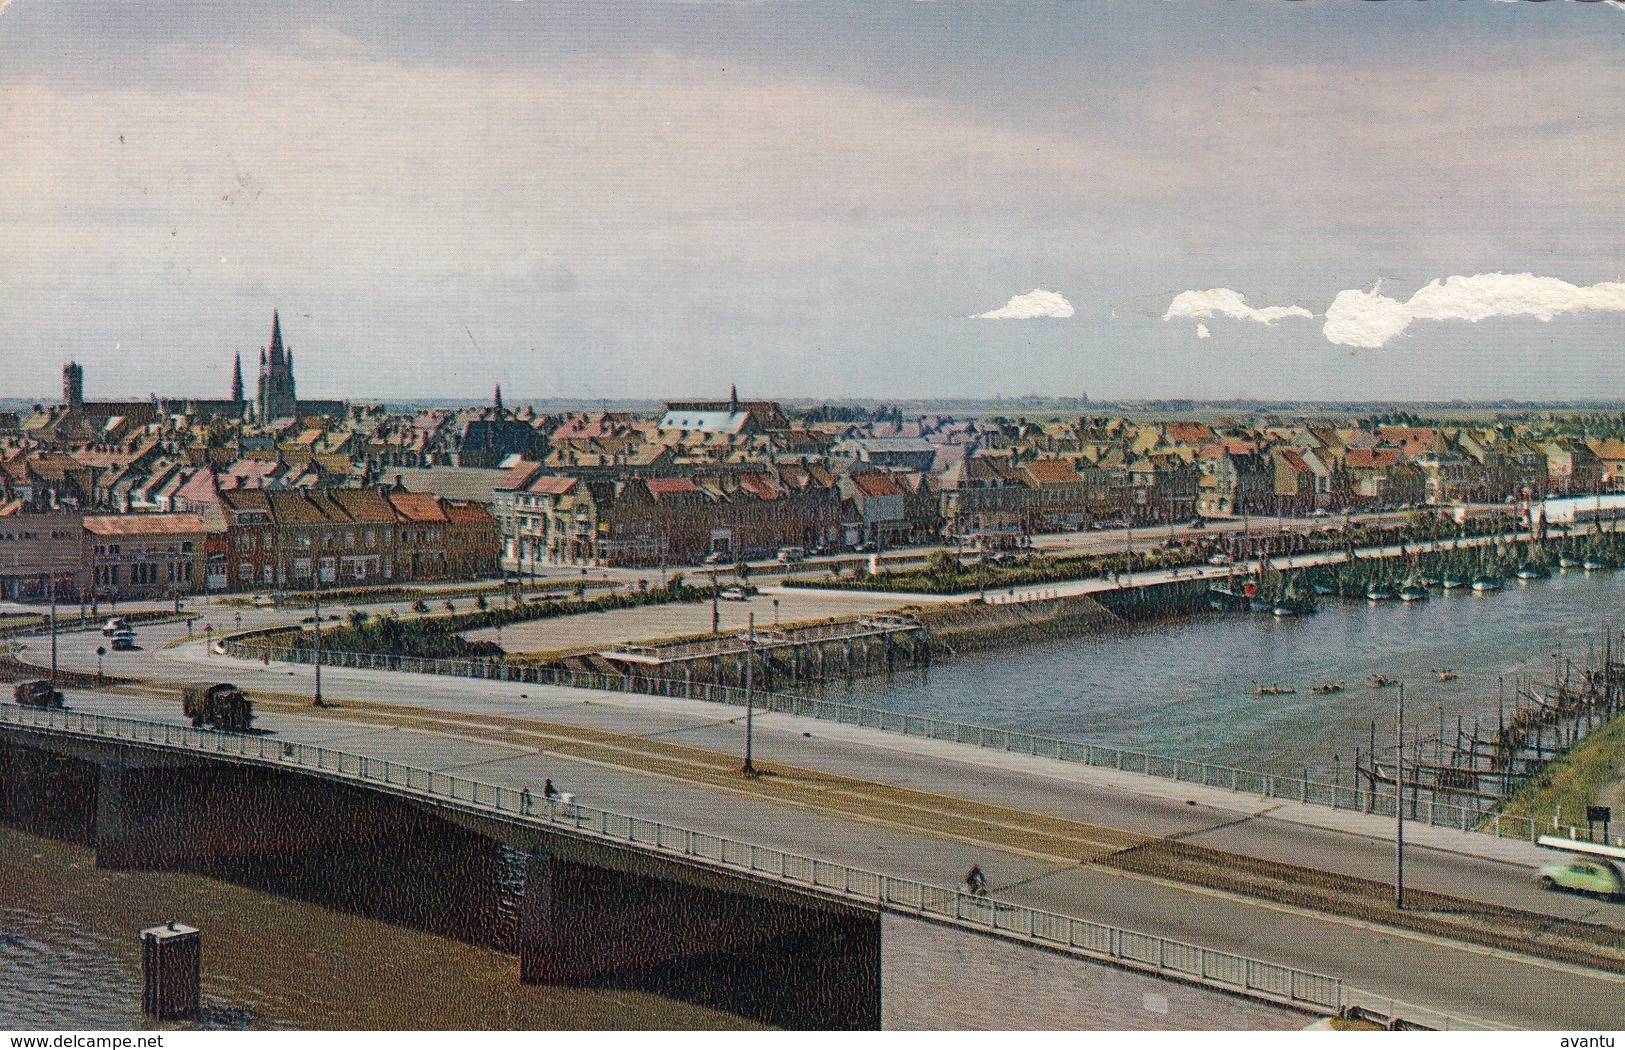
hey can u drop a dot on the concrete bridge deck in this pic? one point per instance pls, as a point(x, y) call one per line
point(519, 735)
point(1492, 987)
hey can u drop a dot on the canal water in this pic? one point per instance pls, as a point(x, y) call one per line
point(1188, 689)
point(70, 959)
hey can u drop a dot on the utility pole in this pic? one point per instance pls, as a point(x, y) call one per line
point(317, 701)
point(1399, 801)
point(53, 629)
point(750, 655)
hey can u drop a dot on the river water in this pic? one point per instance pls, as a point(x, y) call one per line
point(1186, 689)
point(70, 959)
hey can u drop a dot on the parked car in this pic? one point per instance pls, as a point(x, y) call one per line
point(1219, 559)
point(1584, 875)
point(124, 643)
point(791, 555)
point(733, 594)
point(116, 625)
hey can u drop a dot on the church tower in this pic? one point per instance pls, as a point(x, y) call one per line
point(237, 380)
point(276, 392)
point(73, 386)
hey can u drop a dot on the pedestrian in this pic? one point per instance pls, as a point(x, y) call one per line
point(524, 800)
point(548, 792)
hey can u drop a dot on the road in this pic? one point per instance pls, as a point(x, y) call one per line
point(928, 810)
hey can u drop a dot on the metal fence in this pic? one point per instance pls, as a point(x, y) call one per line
point(1419, 805)
point(1139, 951)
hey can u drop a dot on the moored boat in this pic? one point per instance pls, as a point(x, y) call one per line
point(1486, 582)
point(1329, 687)
point(1533, 572)
point(1413, 592)
point(1380, 681)
point(1453, 583)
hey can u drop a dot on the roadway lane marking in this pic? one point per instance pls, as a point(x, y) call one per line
point(1372, 927)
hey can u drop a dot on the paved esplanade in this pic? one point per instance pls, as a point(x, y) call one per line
point(474, 728)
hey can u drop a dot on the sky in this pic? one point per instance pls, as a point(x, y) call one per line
point(899, 200)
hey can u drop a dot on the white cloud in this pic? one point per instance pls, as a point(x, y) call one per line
point(1202, 305)
point(1035, 304)
point(1371, 319)
point(1202, 332)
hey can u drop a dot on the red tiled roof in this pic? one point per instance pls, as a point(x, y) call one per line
point(672, 487)
point(875, 485)
point(144, 525)
point(1053, 470)
point(417, 506)
point(1370, 458)
point(552, 485)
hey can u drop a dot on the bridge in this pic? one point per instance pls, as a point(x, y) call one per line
point(855, 838)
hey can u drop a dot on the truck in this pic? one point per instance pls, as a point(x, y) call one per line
point(220, 706)
point(38, 693)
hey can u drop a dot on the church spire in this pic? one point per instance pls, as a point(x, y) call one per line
point(733, 398)
point(276, 337)
point(497, 400)
point(237, 379)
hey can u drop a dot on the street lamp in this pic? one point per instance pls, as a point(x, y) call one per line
point(750, 653)
point(1399, 800)
point(317, 699)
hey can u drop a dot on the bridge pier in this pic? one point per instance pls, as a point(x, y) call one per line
point(790, 964)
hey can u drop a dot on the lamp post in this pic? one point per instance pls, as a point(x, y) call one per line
point(317, 699)
point(1399, 800)
point(53, 629)
point(750, 657)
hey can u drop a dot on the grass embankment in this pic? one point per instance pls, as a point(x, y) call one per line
point(439, 637)
point(1567, 785)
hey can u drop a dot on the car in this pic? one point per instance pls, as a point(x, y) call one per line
point(716, 557)
point(733, 594)
point(1219, 559)
point(116, 625)
point(791, 555)
point(37, 693)
point(1583, 875)
point(124, 643)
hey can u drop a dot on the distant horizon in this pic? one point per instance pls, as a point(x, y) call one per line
point(928, 405)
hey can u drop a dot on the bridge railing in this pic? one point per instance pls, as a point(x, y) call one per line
point(1420, 806)
point(1140, 951)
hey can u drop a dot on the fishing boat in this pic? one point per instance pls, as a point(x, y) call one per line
point(1593, 563)
point(1485, 582)
point(1380, 681)
point(1533, 572)
point(1413, 591)
point(1379, 592)
point(1274, 690)
point(1453, 583)
point(1329, 687)
point(1446, 675)
point(1430, 582)
point(1566, 562)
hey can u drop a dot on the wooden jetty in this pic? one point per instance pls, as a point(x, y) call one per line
point(805, 652)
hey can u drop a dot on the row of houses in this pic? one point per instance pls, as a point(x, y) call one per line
point(248, 539)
